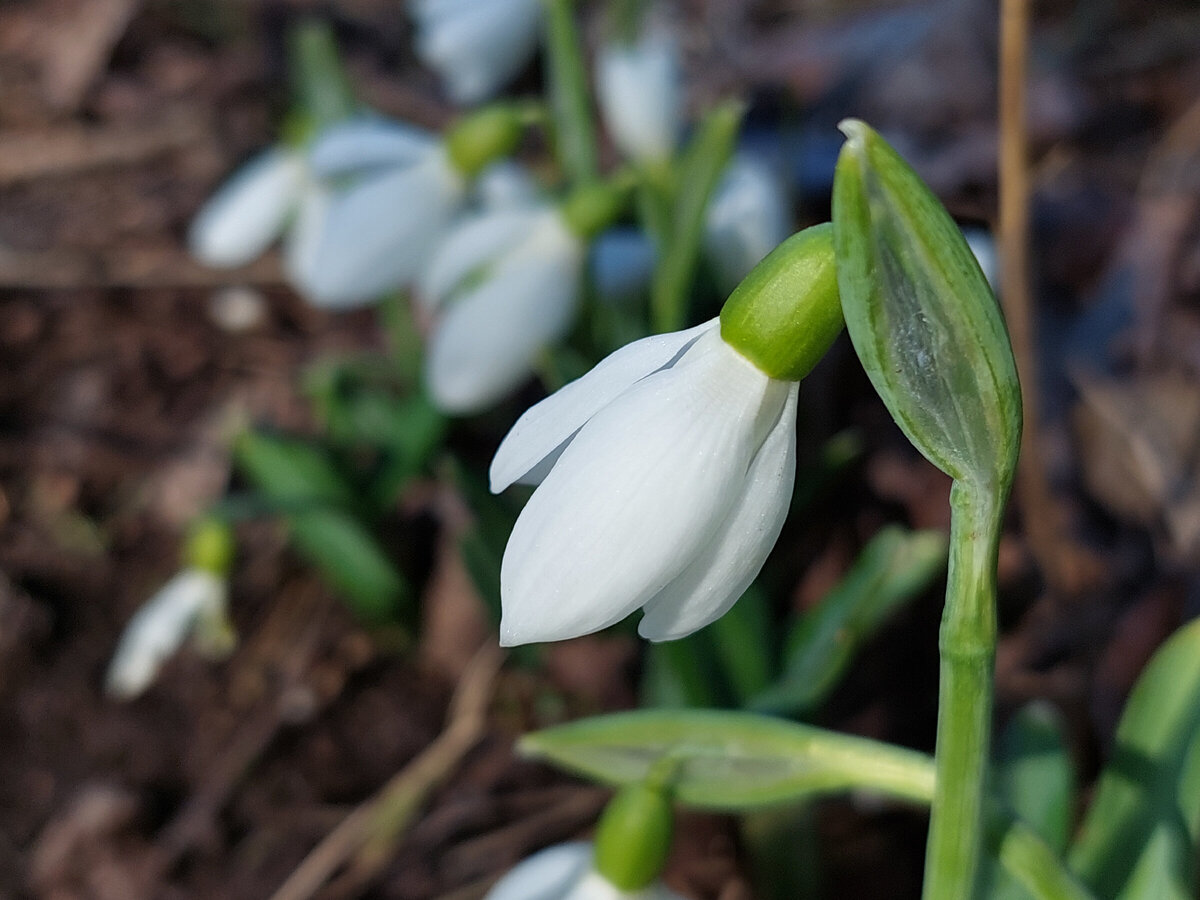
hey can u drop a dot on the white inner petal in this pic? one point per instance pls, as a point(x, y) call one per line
point(636, 495)
point(547, 875)
point(722, 571)
point(473, 243)
point(545, 427)
point(368, 143)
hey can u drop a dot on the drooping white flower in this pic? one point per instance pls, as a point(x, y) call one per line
point(622, 265)
point(664, 476)
point(192, 604)
point(252, 209)
point(502, 286)
point(748, 216)
point(476, 46)
point(639, 86)
point(374, 235)
point(565, 872)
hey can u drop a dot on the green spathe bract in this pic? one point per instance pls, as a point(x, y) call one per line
point(921, 315)
point(785, 313)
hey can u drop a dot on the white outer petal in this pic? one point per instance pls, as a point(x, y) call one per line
point(303, 241)
point(722, 571)
point(638, 493)
point(159, 627)
point(507, 185)
point(249, 211)
point(748, 217)
point(546, 426)
point(547, 875)
point(368, 143)
point(640, 90)
point(379, 233)
point(472, 243)
point(487, 341)
point(477, 46)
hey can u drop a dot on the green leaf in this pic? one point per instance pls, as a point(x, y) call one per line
point(681, 673)
point(922, 318)
point(894, 567)
point(570, 104)
point(731, 760)
point(352, 563)
point(699, 170)
point(1034, 777)
point(292, 473)
point(321, 94)
point(744, 644)
point(1146, 801)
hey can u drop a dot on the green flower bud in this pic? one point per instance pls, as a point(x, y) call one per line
point(209, 546)
point(590, 209)
point(321, 93)
point(785, 313)
point(923, 320)
point(479, 139)
point(633, 836)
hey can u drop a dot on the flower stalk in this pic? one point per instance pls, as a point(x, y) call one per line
point(571, 108)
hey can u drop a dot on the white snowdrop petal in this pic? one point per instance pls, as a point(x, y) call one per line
point(469, 245)
point(380, 232)
point(159, 628)
point(303, 241)
point(640, 90)
point(547, 875)
point(546, 426)
point(478, 48)
point(635, 496)
point(249, 211)
point(722, 571)
point(507, 185)
point(747, 218)
point(368, 143)
point(486, 344)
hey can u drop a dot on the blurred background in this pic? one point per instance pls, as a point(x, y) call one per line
point(125, 367)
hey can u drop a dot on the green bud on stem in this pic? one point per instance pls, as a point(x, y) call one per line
point(785, 313)
point(209, 546)
point(922, 317)
point(481, 138)
point(591, 208)
point(633, 836)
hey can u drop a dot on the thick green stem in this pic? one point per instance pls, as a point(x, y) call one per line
point(570, 102)
point(967, 644)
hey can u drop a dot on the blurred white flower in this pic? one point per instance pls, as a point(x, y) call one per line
point(476, 46)
point(192, 604)
point(252, 209)
point(665, 476)
point(748, 216)
point(622, 265)
point(375, 234)
point(640, 90)
point(564, 872)
point(501, 287)
point(983, 245)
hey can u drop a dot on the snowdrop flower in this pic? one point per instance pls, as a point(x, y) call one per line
point(622, 265)
point(252, 209)
point(664, 474)
point(747, 217)
point(407, 186)
point(640, 90)
point(476, 46)
point(502, 286)
point(565, 872)
point(192, 604)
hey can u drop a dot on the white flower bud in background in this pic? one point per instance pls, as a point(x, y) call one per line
point(375, 234)
point(983, 246)
point(501, 287)
point(251, 210)
point(476, 46)
point(622, 265)
point(639, 86)
point(748, 216)
point(565, 872)
point(192, 604)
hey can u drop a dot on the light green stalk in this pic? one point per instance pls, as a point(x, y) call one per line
point(570, 103)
